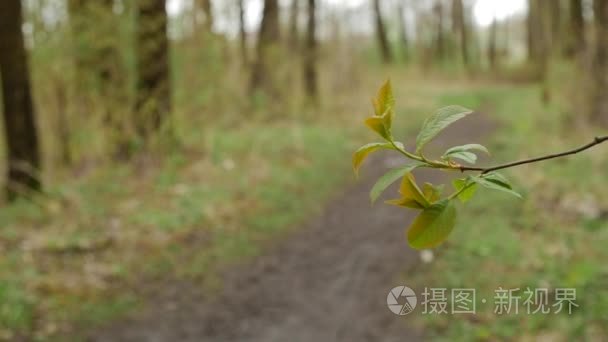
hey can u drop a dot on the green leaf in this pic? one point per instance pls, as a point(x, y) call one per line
point(468, 157)
point(385, 99)
point(378, 125)
point(409, 189)
point(498, 178)
point(364, 151)
point(389, 178)
point(432, 226)
point(494, 185)
point(411, 195)
point(468, 192)
point(439, 121)
point(432, 193)
point(466, 148)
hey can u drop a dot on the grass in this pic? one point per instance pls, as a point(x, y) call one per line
point(555, 238)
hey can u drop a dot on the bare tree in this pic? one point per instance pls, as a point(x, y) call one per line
point(383, 42)
point(459, 26)
point(294, 14)
point(19, 123)
point(600, 63)
point(208, 9)
point(577, 28)
point(268, 38)
point(243, 32)
point(310, 59)
point(439, 34)
point(153, 93)
point(493, 45)
point(403, 32)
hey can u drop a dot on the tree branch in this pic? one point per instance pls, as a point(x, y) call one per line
point(596, 141)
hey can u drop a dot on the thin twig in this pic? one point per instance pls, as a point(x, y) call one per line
point(596, 141)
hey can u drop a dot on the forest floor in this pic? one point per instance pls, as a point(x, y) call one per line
point(328, 281)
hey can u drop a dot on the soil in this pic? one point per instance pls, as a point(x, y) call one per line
point(327, 281)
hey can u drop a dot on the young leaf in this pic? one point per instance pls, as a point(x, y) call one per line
point(409, 189)
point(431, 192)
point(385, 99)
point(498, 178)
point(389, 178)
point(495, 185)
point(364, 151)
point(432, 226)
point(405, 202)
point(466, 148)
point(468, 157)
point(378, 124)
point(437, 122)
point(465, 188)
point(411, 195)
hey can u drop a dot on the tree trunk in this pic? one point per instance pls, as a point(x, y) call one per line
point(492, 45)
point(459, 26)
point(310, 60)
point(403, 31)
point(293, 25)
point(153, 92)
point(532, 21)
point(439, 38)
point(268, 38)
point(208, 10)
point(383, 42)
point(600, 64)
point(243, 32)
point(577, 28)
point(20, 128)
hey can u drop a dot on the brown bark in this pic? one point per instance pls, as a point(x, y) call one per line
point(577, 28)
point(439, 34)
point(293, 24)
point(403, 31)
point(208, 9)
point(268, 38)
point(532, 31)
point(383, 42)
point(600, 64)
point(153, 92)
point(310, 60)
point(459, 26)
point(19, 123)
point(492, 45)
point(243, 32)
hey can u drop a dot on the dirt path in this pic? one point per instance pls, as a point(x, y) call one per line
point(326, 282)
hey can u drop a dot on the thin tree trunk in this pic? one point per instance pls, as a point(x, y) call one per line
point(439, 38)
point(460, 26)
point(383, 42)
point(153, 97)
point(600, 63)
point(243, 32)
point(577, 28)
point(19, 123)
point(310, 60)
point(268, 38)
point(532, 31)
point(293, 25)
point(209, 18)
point(403, 31)
point(492, 45)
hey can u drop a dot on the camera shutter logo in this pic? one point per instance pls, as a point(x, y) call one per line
point(401, 300)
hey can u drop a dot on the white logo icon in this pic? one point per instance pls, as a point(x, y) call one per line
point(401, 300)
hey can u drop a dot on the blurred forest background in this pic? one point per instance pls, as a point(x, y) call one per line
point(148, 140)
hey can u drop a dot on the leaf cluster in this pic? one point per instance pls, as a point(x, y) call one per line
point(437, 212)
